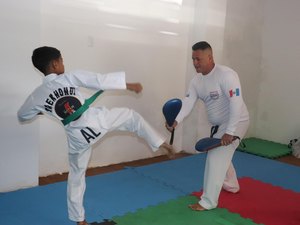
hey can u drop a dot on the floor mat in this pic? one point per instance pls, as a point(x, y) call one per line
point(267, 170)
point(263, 203)
point(176, 212)
point(106, 195)
point(121, 192)
point(184, 174)
point(35, 206)
point(264, 148)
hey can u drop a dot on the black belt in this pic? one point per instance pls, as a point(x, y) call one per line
point(213, 130)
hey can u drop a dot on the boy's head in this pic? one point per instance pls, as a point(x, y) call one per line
point(48, 60)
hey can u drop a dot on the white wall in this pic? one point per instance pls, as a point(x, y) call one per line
point(256, 38)
point(208, 24)
point(278, 109)
point(233, 28)
point(147, 39)
point(243, 50)
point(19, 151)
point(118, 35)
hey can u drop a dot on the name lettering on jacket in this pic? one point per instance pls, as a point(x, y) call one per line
point(88, 134)
point(60, 92)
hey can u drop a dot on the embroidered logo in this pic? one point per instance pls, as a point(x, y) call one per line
point(214, 95)
point(235, 92)
point(66, 106)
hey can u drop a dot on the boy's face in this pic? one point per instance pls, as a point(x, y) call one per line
point(58, 66)
point(61, 66)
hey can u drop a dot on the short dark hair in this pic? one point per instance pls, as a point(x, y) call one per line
point(202, 45)
point(42, 56)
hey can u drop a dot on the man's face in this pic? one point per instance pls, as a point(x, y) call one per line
point(203, 61)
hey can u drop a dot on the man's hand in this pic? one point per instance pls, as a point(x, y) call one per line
point(136, 87)
point(171, 128)
point(227, 139)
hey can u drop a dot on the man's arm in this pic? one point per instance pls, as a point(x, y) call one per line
point(188, 103)
point(232, 88)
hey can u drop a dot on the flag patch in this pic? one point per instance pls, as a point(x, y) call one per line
point(235, 92)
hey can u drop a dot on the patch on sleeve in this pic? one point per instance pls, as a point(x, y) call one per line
point(235, 92)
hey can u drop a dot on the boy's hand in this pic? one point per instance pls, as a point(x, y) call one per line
point(136, 87)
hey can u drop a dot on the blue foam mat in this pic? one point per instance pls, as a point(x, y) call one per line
point(106, 196)
point(124, 191)
point(117, 193)
point(184, 174)
point(267, 170)
point(44, 205)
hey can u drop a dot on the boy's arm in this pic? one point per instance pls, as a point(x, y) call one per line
point(136, 87)
point(27, 111)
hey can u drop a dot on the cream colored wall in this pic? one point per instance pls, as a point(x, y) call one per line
point(252, 37)
point(233, 28)
point(278, 109)
point(209, 25)
point(19, 149)
point(243, 50)
point(147, 39)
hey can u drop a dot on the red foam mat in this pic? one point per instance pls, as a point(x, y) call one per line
point(263, 203)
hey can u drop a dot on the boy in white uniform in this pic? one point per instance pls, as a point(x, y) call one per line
point(220, 90)
point(59, 96)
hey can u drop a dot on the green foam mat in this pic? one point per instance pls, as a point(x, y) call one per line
point(264, 148)
point(176, 212)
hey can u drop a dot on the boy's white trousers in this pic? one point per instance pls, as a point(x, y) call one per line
point(99, 121)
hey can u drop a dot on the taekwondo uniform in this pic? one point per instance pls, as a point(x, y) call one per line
point(220, 90)
point(59, 96)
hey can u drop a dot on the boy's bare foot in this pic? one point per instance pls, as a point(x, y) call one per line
point(82, 223)
point(168, 149)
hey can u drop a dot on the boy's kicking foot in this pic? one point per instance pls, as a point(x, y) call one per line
point(168, 149)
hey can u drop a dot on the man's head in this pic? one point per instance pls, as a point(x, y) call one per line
point(48, 60)
point(203, 57)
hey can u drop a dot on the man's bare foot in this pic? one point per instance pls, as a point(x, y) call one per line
point(82, 223)
point(168, 149)
point(197, 207)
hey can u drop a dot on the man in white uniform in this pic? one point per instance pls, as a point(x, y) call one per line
point(219, 88)
point(59, 96)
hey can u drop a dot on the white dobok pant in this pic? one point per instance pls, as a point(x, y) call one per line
point(93, 125)
point(219, 171)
